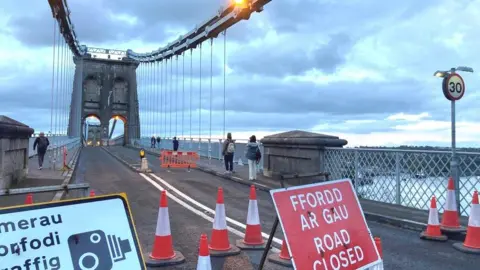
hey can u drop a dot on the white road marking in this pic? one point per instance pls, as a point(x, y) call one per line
point(188, 198)
point(195, 211)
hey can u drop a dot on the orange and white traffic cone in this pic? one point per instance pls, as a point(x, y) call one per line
point(472, 240)
point(220, 244)
point(378, 245)
point(162, 252)
point(204, 261)
point(253, 239)
point(433, 228)
point(450, 218)
point(282, 258)
point(29, 199)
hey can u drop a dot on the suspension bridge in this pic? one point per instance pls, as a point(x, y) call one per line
point(175, 92)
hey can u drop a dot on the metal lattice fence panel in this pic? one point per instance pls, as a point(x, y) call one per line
point(408, 178)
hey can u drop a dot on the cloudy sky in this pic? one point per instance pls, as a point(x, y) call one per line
point(359, 69)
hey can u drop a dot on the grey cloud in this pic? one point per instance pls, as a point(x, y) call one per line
point(292, 59)
point(340, 98)
point(338, 15)
point(336, 101)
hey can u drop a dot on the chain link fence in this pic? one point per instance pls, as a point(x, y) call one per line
point(405, 177)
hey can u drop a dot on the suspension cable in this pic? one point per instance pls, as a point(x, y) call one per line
point(157, 114)
point(56, 86)
point(224, 81)
point(171, 96)
point(211, 84)
point(64, 91)
point(53, 76)
point(176, 97)
point(60, 91)
point(191, 91)
point(200, 101)
point(183, 93)
point(151, 99)
point(166, 96)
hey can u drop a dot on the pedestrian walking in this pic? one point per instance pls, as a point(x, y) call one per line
point(152, 142)
point(41, 143)
point(253, 155)
point(158, 141)
point(228, 152)
point(175, 144)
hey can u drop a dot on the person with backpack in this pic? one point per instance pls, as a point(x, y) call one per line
point(41, 143)
point(228, 152)
point(253, 155)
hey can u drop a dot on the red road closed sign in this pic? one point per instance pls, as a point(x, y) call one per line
point(324, 226)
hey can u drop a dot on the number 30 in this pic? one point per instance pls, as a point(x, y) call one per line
point(455, 87)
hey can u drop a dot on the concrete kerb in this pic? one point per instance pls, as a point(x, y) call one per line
point(68, 175)
point(397, 222)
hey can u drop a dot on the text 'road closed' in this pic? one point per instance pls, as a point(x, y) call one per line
point(324, 226)
point(93, 234)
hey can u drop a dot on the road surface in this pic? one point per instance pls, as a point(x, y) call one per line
point(197, 190)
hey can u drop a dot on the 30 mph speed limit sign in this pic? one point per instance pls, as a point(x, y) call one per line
point(453, 87)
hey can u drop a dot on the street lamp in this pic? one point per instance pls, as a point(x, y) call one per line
point(453, 88)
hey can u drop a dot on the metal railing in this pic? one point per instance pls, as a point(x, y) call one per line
point(210, 149)
point(85, 187)
point(405, 177)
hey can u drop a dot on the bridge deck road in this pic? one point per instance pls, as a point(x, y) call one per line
point(402, 248)
point(107, 175)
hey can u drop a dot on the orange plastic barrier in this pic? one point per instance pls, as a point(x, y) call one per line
point(172, 159)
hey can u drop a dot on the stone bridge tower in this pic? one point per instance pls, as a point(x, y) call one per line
point(105, 88)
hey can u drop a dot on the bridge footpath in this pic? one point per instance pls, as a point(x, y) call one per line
point(402, 248)
point(48, 176)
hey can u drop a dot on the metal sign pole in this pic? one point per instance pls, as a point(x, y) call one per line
point(454, 162)
point(453, 88)
point(270, 238)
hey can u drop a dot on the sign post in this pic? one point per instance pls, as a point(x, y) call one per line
point(324, 226)
point(453, 88)
point(90, 233)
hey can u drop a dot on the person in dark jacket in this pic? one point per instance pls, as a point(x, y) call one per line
point(175, 144)
point(41, 143)
point(153, 141)
point(158, 141)
point(228, 152)
point(252, 152)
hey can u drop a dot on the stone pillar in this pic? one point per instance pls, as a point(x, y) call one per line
point(297, 153)
point(14, 146)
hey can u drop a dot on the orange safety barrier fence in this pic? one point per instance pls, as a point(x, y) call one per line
point(172, 159)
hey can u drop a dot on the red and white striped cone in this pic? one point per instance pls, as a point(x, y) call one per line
point(204, 261)
point(433, 228)
point(253, 239)
point(282, 258)
point(472, 239)
point(450, 218)
point(220, 244)
point(162, 252)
